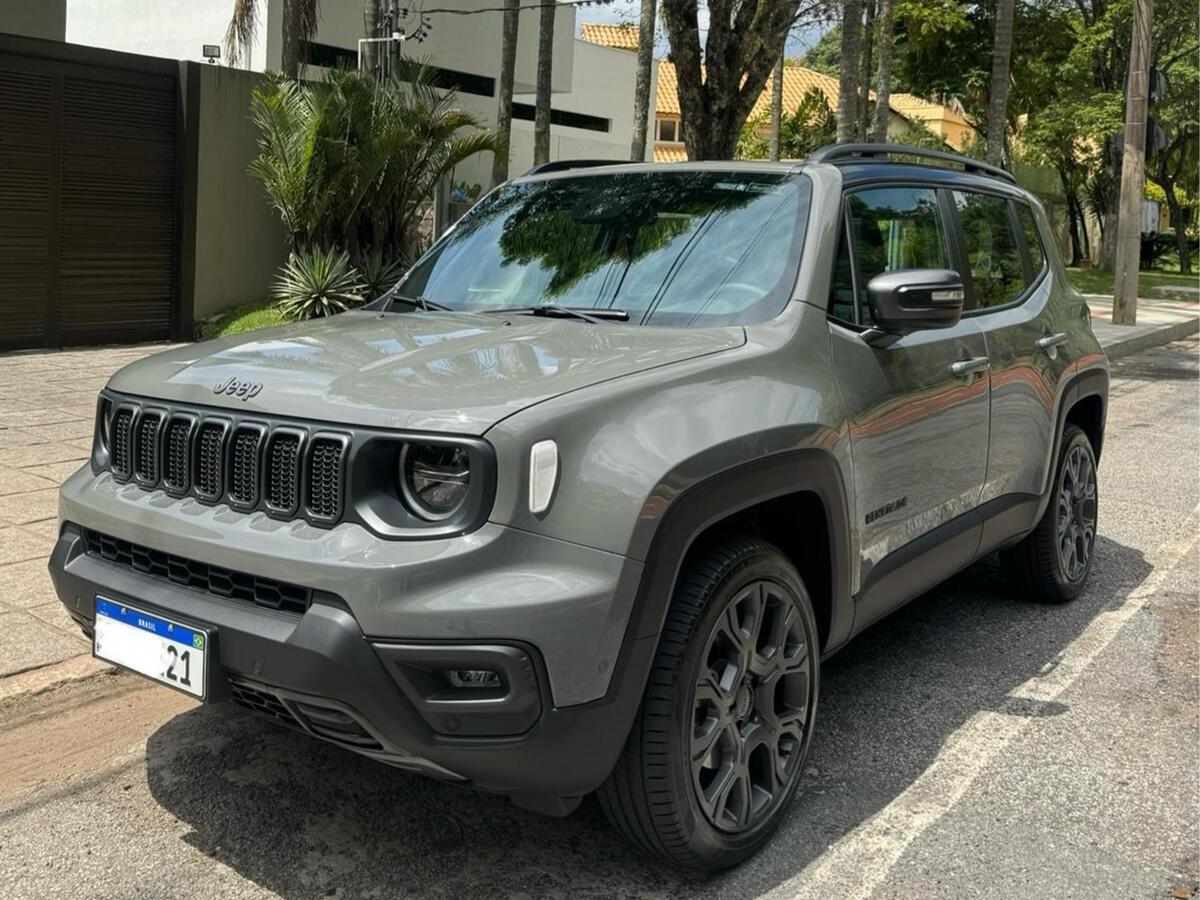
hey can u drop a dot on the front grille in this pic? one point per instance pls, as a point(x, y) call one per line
point(121, 439)
point(283, 471)
point(266, 592)
point(210, 446)
point(324, 498)
point(146, 448)
point(243, 466)
point(283, 468)
point(262, 702)
point(177, 477)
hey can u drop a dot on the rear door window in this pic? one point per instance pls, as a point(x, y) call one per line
point(993, 252)
point(1033, 239)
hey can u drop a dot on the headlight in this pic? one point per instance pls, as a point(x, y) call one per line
point(434, 479)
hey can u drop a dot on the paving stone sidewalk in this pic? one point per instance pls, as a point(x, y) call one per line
point(47, 403)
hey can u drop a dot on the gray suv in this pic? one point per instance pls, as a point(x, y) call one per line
point(582, 504)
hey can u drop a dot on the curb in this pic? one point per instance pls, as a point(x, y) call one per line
point(47, 678)
point(1156, 338)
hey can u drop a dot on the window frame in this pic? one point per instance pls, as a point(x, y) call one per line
point(1032, 280)
point(945, 205)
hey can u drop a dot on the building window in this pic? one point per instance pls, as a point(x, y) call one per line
point(668, 130)
point(526, 112)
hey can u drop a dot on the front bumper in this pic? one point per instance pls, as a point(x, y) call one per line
point(318, 672)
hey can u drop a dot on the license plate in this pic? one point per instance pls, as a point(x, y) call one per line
point(150, 645)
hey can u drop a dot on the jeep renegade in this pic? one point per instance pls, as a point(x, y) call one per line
point(583, 502)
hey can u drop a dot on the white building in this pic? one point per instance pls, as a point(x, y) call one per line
point(592, 86)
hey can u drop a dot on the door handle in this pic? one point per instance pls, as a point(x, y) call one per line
point(970, 366)
point(1052, 340)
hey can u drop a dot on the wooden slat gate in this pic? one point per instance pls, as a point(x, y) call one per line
point(89, 237)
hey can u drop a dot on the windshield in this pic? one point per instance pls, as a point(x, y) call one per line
point(683, 248)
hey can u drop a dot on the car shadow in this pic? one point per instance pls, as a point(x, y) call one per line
point(306, 819)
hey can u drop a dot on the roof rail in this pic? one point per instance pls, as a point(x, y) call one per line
point(845, 153)
point(562, 165)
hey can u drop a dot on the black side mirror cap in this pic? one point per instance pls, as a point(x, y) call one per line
point(909, 300)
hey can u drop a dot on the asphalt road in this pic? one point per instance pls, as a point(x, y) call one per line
point(972, 745)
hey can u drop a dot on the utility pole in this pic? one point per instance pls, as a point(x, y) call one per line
point(1133, 168)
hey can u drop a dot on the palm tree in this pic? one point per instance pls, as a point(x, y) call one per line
point(776, 108)
point(1001, 67)
point(883, 79)
point(641, 91)
point(545, 68)
point(862, 123)
point(370, 50)
point(300, 18)
point(508, 64)
point(350, 163)
point(848, 77)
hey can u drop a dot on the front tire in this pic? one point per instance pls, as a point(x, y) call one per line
point(719, 743)
point(1053, 562)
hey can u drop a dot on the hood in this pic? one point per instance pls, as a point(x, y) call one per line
point(426, 371)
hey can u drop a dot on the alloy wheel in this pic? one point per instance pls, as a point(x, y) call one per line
point(1076, 513)
point(751, 707)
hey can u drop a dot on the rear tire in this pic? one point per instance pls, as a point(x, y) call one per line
point(1052, 563)
point(719, 743)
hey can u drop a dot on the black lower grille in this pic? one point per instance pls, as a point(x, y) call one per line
point(326, 722)
point(223, 582)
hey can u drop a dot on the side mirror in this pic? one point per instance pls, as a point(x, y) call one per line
point(909, 300)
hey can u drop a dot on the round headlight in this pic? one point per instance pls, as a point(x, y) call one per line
point(434, 479)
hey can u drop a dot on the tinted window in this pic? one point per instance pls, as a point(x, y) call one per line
point(1033, 239)
point(895, 228)
point(670, 248)
point(993, 254)
point(841, 288)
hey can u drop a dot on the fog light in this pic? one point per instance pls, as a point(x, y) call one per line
point(473, 678)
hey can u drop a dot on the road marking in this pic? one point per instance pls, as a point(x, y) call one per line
point(860, 861)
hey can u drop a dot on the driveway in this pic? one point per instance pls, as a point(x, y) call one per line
point(47, 402)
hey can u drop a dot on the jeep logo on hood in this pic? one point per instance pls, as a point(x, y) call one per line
point(235, 388)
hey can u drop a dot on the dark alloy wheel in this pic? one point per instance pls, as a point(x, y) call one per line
point(1075, 517)
point(1051, 563)
point(750, 707)
point(717, 749)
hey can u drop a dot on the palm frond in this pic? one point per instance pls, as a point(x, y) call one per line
point(243, 26)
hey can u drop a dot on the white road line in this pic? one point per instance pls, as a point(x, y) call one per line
point(859, 862)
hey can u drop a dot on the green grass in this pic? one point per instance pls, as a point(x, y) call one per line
point(1150, 284)
point(239, 319)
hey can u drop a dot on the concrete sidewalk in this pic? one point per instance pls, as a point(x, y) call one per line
point(47, 402)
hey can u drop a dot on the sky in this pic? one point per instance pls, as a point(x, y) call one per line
point(627, 11)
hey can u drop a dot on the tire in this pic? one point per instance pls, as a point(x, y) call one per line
point(761, 709)
point(1052, 563)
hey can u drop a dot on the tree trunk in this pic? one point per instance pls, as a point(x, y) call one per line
point(883, 80)
point(776, 108)
point(545, 68)
point(863, 115)
point(1175, 214)
point(292, 44)
point(1001, 67)
point(1133, 169)
point(641, 91)
point(848, 77)
point(1073, 228)
point(370, 52)
point(508, 64)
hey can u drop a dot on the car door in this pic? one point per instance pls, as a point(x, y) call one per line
point(917, 407)
point(1009, 291)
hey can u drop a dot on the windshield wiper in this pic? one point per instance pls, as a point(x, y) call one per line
point(595, 315)
point(422, 303)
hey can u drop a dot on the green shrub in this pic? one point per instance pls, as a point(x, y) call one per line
point(318, 282)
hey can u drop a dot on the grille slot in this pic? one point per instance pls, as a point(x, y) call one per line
point(243, 466)
point(283, 471)
point(210, 447)
point(145, 469)
point(266, 592)
point(323, 498)
point(262, 702)
point(121, 452)
point(177, 469)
